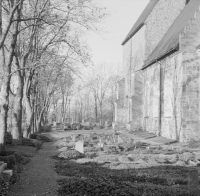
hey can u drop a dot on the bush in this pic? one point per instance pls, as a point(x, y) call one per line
point(34, 136)
point(8, 138)
point(46, 128)
point(10, 160)
point(3, 186)
point(43, 138)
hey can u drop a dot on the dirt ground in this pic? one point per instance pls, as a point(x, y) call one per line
point(39, 178)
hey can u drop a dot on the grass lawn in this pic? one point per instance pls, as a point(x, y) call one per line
point(92, 179)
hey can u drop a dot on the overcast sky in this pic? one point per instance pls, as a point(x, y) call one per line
point(123, 14)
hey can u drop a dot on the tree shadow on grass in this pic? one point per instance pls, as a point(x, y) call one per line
point(91, 178)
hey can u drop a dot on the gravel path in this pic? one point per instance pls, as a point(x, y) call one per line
point(38, 178)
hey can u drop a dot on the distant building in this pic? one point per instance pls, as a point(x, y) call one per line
point(161, 59)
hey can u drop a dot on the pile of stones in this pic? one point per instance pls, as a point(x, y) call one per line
point(112, 148)
point(70, 154)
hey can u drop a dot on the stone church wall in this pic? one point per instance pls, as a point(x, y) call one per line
point(159, 21)
point(171, 92)
point(164, 98)
point(191, 82)
point(151, 98)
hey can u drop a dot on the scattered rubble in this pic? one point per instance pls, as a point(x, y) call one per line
point(70, 154)
point(167, 159)
point(128, 151)
point(138, 164)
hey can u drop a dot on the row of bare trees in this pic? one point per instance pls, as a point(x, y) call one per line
point(41, 47)
point(96, 96)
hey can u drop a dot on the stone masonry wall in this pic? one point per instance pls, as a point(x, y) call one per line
point(175, 81)
point(162, 97)
point(136, 84)
point(137, 101)
point(122, 104)
point(121, 117)
point(133, 58)
point(121, 93)
point(151, 98)
point(159, 21)
point(138, 49)
point(191, 83)
point(171, 92)
point(127, 67)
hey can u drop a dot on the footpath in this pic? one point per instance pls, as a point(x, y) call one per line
point(38, 178)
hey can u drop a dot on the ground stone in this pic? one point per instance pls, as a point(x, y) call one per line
point(197, 156)
point(70, 154)
point(84, 160)
point(180, 163)
point(8, 172)
point(131, 157)
point(187, 156)
point(124, 159)
point(2, 167)
point(79, 146)
point(63, 149)
point(169, 159)
point(193, 163)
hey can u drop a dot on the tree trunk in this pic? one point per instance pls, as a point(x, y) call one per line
point(34, 118)
point(101, 113)
point(39, 121)
point(28, 110)
point(63, 109)
point(4, 96)
point(29, 118)
point(96, 110)
point(33, 124)
point(17, 112)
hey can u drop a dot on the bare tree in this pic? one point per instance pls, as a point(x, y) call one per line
point(14, 10)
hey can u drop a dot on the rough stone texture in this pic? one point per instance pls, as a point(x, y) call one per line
point(138, 47)
point(171, 92)
point(159, 21)
point(180, 163)
point(163, 98)
point(63, 149)
point(151, 98)
point(179, 91)
point(197, 156)
point(124, 159)
point(2, 167)
point(121, 105)
point(70, 154)
point(8, 172)
point(66, 144)
point(133, 58)
point(188, 156)
point(168, 159)
point(121, 93)
point(191, 84)
point(137, 101)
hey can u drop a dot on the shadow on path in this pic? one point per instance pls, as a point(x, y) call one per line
point(38, 177)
